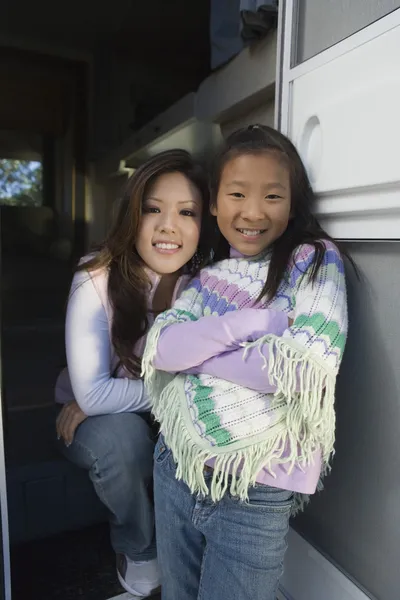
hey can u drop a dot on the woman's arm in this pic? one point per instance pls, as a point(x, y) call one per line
point(88, 348)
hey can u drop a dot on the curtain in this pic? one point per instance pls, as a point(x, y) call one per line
point(236, 23)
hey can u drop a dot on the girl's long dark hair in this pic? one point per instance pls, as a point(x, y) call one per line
point(127, 281)
point(303, 227)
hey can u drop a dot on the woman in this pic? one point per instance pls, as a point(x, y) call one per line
point(158, 241)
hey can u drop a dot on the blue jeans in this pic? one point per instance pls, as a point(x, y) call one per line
point(230, 550)
point(117, 451)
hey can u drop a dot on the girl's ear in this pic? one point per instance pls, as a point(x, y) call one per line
point(213, 210)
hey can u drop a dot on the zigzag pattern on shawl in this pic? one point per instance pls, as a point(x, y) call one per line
point(206, 418)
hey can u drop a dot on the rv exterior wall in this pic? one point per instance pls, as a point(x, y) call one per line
point(356, 520)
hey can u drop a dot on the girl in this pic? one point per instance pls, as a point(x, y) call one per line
point(138, 272)
point(248, 424)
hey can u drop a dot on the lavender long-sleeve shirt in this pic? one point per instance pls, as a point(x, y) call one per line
point(212, 345)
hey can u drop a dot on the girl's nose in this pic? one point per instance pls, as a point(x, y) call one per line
point(252, 210)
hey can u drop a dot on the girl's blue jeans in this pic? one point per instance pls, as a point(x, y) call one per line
point(230, 550)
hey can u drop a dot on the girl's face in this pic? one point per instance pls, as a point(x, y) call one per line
point(253, 202)
point(170, 225)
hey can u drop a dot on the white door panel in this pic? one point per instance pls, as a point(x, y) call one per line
point(342, 111)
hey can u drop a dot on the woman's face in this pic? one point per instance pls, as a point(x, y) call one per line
point(169, 229)
point(253, 202)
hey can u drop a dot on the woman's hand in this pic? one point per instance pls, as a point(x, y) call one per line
point(69, 418)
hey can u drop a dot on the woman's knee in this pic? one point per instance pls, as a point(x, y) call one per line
point(125, 441)
point(134, 437)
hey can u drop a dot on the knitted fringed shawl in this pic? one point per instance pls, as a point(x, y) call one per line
point(203, 417)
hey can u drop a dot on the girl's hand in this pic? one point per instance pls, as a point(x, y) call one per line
point(69, 418)
point(248, 370)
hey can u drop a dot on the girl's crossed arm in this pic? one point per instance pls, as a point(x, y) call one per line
point(188, 344)
point(248, 367)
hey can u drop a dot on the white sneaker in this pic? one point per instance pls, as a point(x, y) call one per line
point(141, 579)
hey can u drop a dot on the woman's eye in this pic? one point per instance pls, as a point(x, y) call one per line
point(237, 195)
point(188, 213)
point(151, 209)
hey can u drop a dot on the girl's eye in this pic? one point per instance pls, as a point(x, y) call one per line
point(151, 209)
point(188, 213)
point(237, 195)
point(273, 197)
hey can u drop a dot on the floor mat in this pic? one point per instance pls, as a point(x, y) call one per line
point(66, 567)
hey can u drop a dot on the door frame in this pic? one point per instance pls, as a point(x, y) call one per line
point(5, 578)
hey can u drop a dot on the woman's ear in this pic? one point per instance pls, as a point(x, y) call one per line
point(213, 210)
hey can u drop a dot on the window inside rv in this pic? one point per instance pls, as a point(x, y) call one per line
point(21, 182)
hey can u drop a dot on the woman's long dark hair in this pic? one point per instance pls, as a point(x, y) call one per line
point(303, 226)
point(127, 281)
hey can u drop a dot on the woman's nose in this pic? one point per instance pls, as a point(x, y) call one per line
point(167, 224)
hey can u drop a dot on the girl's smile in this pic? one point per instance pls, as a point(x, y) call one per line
point(251, 235)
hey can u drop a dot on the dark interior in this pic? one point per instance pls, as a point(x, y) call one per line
point(76, 80)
